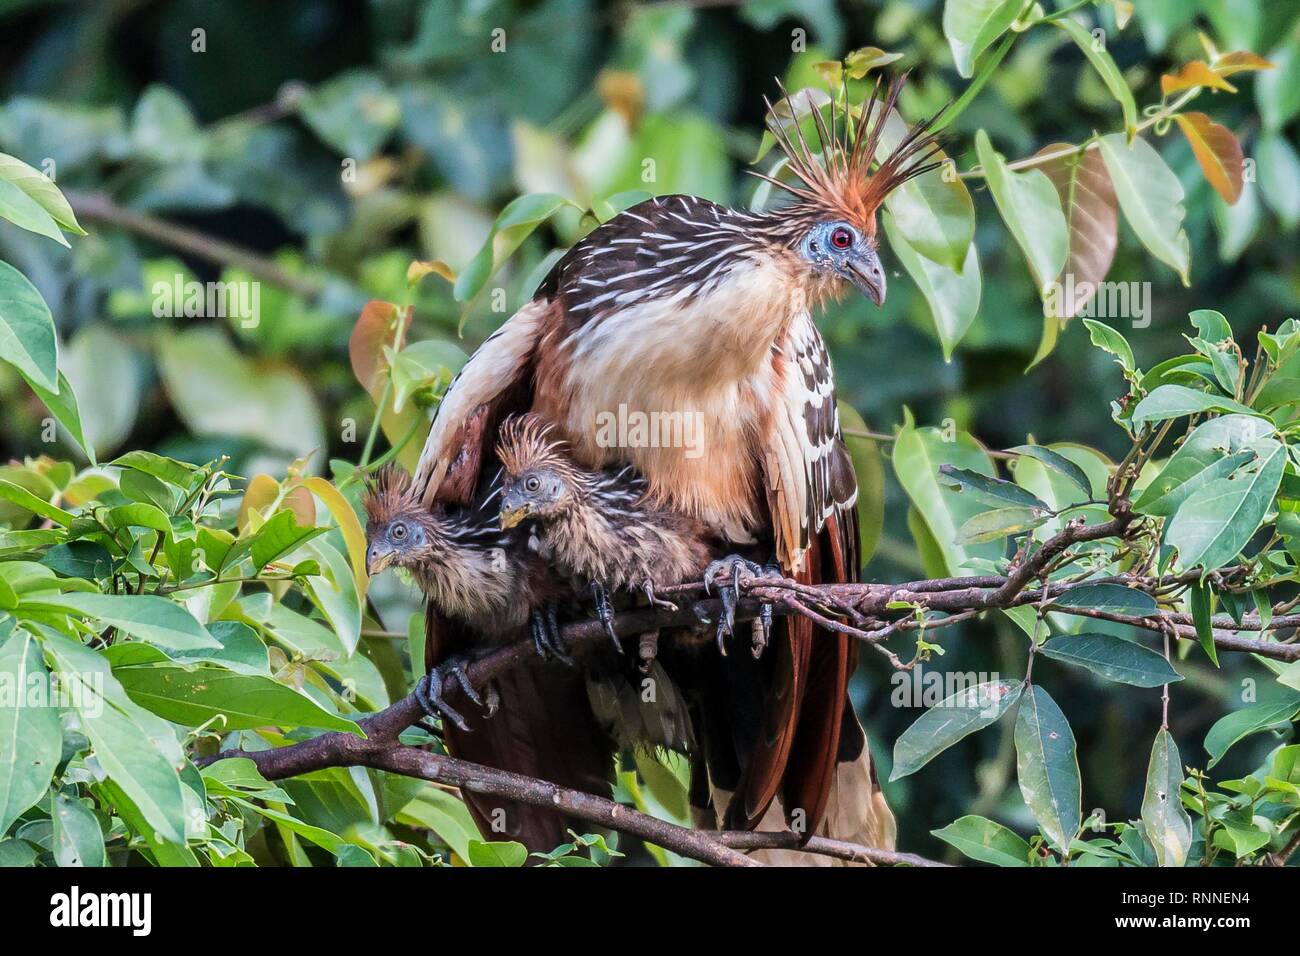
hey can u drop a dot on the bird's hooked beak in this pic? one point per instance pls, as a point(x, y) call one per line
point(865, 271)
point(378, 557)
point(511, 515)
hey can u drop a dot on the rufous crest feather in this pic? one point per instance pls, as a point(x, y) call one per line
point(527, 441)
point(837, 178)
point(389, 492)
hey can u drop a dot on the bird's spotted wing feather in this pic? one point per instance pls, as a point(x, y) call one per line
point(812, 492)
point(809, 474)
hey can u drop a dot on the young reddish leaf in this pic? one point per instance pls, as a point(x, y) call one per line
point(1092, 215)
point(1194, 74)
point(374, 330)
point(1218, 152)
point(1239, 62)
point(262, 490)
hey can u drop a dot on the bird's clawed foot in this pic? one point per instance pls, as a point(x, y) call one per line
point(546, 635)
point(657, 601)
point(732, 570)
point(605, 612)
point(428, 691)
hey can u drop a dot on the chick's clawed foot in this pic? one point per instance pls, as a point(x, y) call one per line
point(428, 692)
point(727, 574)
point(605, 612)
point(546, 635)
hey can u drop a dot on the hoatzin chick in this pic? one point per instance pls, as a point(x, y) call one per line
point(682, 307)
point(600, 528)
point(596, 526)
point(471, 570)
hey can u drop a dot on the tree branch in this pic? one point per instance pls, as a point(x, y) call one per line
point(100, 207)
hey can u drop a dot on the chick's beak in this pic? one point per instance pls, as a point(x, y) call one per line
point(511, 516)
point(866, 272)
point(378, 557)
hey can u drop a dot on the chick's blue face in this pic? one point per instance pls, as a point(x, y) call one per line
point(396, 542)
point(840, 248)
point(537, 492)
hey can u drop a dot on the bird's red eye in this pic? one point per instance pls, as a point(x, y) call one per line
point(841, 238)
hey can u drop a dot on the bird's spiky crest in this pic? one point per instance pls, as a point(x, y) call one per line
point(837, 179)
point(389, 492)
point(527, 441)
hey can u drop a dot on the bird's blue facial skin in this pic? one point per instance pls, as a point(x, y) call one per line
point(840, 248)
point(403, 536)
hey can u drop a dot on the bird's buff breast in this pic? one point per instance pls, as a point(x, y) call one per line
point(691, 419)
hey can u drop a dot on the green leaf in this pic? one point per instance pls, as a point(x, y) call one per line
point(1173, 401)
point(78, 840)
point(280, 535)
point(1257, 718)
point(1279, 177)
point(972, 25)
point(1112, 658)
point(1151, 197)
point(29, 502)
point(1108, 340)
point(447, 817)
point(497, 853)
point(953, 297)
point(1211, 325)
point(918, 453)
point(1058, 463)
point(1105, 66)
point(1113, 598)
point(985, 841)
point(30, 733)
point(1047, 767)
point(193, 696)
point(868, 465)
point(515, 223)
point(993, 491)
point(997, 523)
point(149, 618)
point(1200, 599)
point(1219, 518)
point(1031, 208)
point(354, 112)
point(1164, 821)
point(933, 213)
point(178, 473)
point(1213, 450)
point(27, 339)
point(63, 406)
point(1282, 387)
point(26, 213)
point(949, 721)
point(137, 750)
point(42, 190)
point(1277, 91)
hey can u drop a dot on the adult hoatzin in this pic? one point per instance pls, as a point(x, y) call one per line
point(681, 306)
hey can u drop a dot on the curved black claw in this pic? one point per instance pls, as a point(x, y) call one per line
point(657, 601)
point(735, 568)
point(762, 632)
point(546, 635)
point(428, 691)
point(605, 612)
